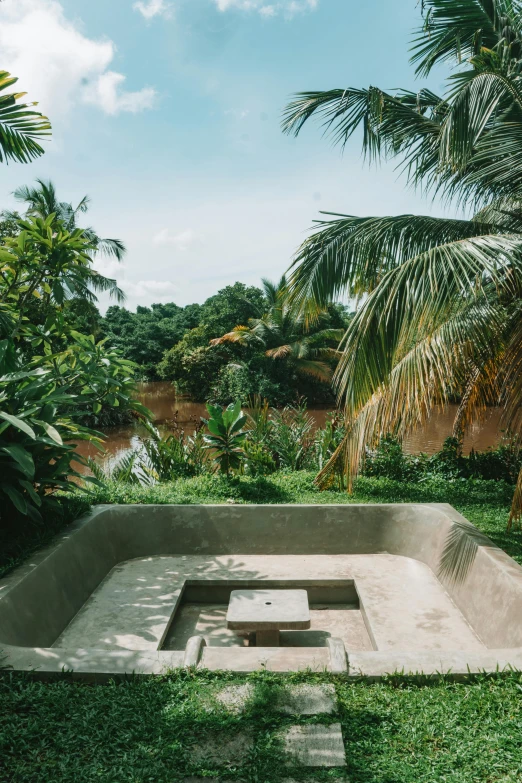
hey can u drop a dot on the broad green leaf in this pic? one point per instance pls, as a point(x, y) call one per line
point(16, 498)
point(217, 428)
point(22, 457)
point(238, 424)
point(18, 423)
point(52, 432)
point(37, 500)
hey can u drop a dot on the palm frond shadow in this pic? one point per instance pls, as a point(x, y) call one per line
point(460, 551)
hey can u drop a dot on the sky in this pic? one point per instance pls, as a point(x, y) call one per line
point(167, 114)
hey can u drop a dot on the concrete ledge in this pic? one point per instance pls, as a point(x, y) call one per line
point(40, 599)
point(454, 665)
point(88, 664)
point(193, 651)
point(338, 658)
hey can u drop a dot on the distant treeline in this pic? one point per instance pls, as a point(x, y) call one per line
point(274, 354)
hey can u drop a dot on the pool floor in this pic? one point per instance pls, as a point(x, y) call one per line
point(139, 606)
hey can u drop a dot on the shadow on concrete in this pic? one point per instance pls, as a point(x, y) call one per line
point(460, 549)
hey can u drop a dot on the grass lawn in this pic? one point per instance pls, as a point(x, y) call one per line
point(143, 730)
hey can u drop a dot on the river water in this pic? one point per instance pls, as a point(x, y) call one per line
point(162, 401)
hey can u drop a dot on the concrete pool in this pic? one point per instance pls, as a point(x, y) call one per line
point(143, 589)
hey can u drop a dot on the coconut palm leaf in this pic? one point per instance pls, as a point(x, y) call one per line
point(351, 255)
point(21, 127)
point(42, 201)
point(456, 30)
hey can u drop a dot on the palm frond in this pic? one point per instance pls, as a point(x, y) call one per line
point(407, 122)
point(415, 298)
point(456, 30)
point(320, 370)
point(20, 125)
point(350, 255)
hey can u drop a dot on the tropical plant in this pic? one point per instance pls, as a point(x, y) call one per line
point(42, 201)
point(21, 128)
point(227, 436)
point(37, 435)
point(169, 456)
point(442, 313)
point(327, 440)
point(124, 471)
point(52, 377)
point(283, 334)
point(291, 436)
point(46, 262)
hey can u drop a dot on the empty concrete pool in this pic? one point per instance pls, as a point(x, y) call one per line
point(359, 589)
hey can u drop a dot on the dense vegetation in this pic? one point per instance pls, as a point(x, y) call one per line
point(442, 315)
point(53, 378)
point(201, 350)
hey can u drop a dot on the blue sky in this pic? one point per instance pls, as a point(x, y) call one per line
point(167, 113)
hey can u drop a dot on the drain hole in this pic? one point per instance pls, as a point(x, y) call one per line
point(268, 603)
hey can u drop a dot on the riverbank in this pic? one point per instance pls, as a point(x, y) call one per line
point(174, 413)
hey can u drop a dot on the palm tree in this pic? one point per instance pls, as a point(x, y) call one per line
point(443, 297)
point(20, 126)
point(282, 334)
point(42, 202)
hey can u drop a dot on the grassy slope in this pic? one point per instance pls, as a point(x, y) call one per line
point(395, 732)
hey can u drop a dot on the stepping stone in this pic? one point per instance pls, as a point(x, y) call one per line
point(307, 700)
point(315, 746)
point(221, 751)
point(293, 700)
point(235, 697)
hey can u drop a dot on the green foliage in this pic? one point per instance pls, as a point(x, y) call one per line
point(21, 127)
point(227, 436)
point(193, 365)
point(172, 455)
point(389, 461)
point(290, 436)
point(277, 356)
point(52, 378)
point(441, 317)
point(144, 337)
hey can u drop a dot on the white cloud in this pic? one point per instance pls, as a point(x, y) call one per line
point(238, 114)
point(288, 8)
point(268, 10)
point(159, 290)
point(180, 241)
point(105, 93)
point(58, 65)
point(153, 8)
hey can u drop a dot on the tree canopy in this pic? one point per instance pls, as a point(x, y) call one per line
point(441, 314)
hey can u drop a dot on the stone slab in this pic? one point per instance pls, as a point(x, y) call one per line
point(306, 699)
point(315, 746)
point(235, 697)
point(299, 699)
point(268, 610)
point(223, 751)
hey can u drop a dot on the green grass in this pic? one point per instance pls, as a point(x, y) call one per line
point(141, 731)
point(144, 730)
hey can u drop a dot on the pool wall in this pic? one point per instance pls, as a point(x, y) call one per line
point(39, 599)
